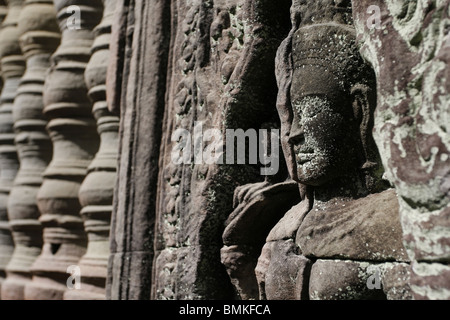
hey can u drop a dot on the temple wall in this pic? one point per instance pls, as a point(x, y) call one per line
point(226, 149)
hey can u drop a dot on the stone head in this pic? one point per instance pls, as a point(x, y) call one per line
point(326, 105)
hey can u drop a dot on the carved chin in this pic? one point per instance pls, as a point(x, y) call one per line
point(310, 178)
point(315, 171)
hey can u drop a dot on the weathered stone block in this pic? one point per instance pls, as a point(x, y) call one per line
point(355, 280)
point(341, 280)
point(240, 262)
point(287, 274)
point(395, 278)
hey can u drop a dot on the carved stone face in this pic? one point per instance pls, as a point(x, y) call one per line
point(323, 130)
point(321, 137)
point(325, 105)
point(325, 133)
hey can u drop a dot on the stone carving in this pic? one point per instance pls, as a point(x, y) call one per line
point(39, 38)
point(358, 210)
point(412, 126)
point(326, 102)
point(258, 207)
point(75, 142)
point(222, 76)
point(96, 191)
point(327, 117)
point(12, 68)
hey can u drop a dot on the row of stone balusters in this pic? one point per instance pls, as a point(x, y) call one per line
point(6, 243)
point(55, 122)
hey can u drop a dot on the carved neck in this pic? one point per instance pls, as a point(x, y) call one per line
point(348, 187)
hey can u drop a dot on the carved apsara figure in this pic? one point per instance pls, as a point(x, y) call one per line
point(347, 218)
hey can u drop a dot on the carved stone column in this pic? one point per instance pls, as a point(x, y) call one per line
point(96, 191)
point(39, 39)
point(12, 66)
point(75, 142)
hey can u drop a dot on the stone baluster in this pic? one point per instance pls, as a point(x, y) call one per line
point(3, 12)
point(75, 141)
point(39, 39)
point(5, 236)
point(96, 192)
point(12, 68)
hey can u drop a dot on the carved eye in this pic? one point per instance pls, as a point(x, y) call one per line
point(311, 110)
point(297, 108)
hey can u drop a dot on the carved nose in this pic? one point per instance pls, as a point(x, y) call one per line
point(296, 135)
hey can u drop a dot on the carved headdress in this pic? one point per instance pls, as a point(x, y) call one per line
point(327, 53)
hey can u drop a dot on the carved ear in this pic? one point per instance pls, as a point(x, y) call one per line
point(363, 113)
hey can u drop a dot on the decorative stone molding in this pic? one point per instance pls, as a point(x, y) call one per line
point(39, 38)
point(138, 81)
point(75, 142)
point(12, 69)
